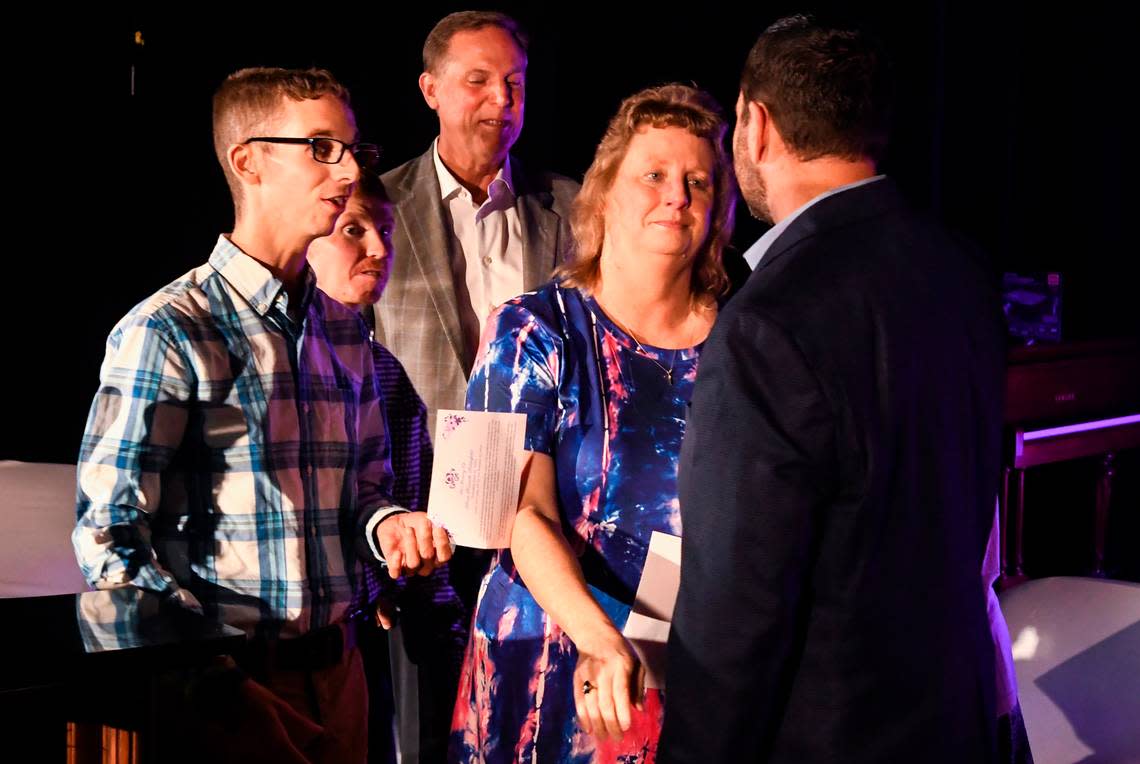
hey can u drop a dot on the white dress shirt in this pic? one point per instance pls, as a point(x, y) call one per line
point(490, 235)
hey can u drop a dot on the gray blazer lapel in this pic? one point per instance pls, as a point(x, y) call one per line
point(421, 213)
point(542, 227)
point(540, 241)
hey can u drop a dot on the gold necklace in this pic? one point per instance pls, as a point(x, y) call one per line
point(645, 354)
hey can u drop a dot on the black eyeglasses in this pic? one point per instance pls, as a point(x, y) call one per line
point(331, 151)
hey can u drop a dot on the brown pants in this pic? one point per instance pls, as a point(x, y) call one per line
point(281, 715)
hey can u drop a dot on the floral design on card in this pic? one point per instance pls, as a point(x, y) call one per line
point(451, 478)
point(451, 423)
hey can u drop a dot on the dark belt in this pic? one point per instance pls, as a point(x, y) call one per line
point(312, 651)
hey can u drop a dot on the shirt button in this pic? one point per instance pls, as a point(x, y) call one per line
point(486, 259)
point(262, 307)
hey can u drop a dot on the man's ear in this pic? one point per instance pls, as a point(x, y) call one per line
point(758, 135)
point(428, 84)
point(244, 164)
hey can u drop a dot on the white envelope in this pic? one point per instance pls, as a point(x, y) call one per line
point(647, 628)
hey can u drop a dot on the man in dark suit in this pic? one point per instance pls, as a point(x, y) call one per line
point(841, 459)
point(474, 228)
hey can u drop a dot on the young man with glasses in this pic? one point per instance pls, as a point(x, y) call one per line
point(236, 458)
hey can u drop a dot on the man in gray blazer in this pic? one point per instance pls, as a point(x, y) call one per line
point(473, 226)
point(473, 229)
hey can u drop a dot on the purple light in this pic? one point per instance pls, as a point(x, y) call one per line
point(1069, 429)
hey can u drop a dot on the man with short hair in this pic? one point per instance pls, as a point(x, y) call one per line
point(235, 458)
point(474, 228)
point(841, 458)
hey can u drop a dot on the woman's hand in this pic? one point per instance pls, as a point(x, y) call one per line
point(551, 571)
point(607, 681)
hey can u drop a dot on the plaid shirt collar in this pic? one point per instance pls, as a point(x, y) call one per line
point(254, 282)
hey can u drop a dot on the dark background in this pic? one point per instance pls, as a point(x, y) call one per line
point(1010, 127)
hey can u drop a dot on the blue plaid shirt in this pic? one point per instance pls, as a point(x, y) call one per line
point(234, 451)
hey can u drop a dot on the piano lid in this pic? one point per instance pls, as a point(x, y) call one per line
point(1072, 381)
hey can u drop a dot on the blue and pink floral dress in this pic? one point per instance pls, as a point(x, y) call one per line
point(611, 413)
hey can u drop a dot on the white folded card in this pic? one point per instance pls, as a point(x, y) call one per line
point(649, 636)
point(475, 476)
point(648, 626)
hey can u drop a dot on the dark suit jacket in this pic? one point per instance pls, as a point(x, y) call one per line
point(837, 483)
point(417, 317)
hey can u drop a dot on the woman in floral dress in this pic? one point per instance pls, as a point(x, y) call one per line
point(602, 361)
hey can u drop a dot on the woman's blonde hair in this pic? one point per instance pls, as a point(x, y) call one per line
point(673, 105)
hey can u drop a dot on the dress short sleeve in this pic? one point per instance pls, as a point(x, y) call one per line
point(518, 370)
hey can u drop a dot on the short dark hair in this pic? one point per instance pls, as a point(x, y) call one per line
point(439, 38)
point(250, 97)
point(827, 86)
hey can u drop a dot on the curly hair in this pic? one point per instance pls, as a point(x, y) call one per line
point(672, 105)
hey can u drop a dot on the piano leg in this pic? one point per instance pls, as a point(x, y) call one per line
point(1012, 524)
point(1003, 524)
point(1103, 499)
